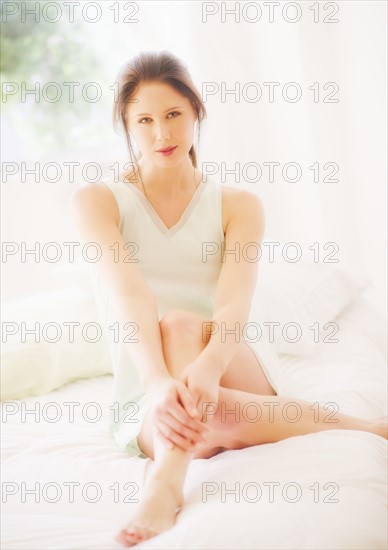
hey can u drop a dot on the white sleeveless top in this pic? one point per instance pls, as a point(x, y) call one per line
point(181, 265)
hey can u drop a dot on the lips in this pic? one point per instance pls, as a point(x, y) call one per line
point(166, 149)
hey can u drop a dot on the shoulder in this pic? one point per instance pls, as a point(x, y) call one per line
point(97, 200)
point(238, 204)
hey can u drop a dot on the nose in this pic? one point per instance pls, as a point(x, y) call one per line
point(162, 131)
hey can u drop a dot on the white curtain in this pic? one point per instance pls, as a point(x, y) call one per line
point(344, 61)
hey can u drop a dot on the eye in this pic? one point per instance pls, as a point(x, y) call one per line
point(172, 113)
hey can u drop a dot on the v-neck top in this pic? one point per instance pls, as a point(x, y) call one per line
point(168, 231)
point(180, 264)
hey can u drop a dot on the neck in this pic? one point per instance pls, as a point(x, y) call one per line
point(168, 181)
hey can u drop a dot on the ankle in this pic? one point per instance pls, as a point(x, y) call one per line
point(163, 479)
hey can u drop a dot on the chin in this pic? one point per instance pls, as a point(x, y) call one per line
point(174, 160)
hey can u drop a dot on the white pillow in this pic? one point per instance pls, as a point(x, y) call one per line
point(40, 364)
point(305, 294)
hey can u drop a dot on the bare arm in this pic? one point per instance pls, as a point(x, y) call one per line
point(96, 217)
point(237, 281)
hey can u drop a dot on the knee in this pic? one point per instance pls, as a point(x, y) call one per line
point(180, 323)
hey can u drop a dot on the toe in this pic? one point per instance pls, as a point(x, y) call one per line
point(122, 538)
point(139, 534)
point(130, 537)
point(134, 535)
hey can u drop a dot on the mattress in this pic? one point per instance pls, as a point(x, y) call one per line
point(66, 484)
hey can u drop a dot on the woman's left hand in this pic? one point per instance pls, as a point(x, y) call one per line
point(203, 383)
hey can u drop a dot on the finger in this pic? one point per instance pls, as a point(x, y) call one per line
point(177, 411)
point(206, 411)
point(183, 430)
point(195, 434)
point(188, 402)
point(166, 442)
point(177, 440)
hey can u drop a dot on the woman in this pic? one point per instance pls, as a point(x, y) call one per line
point(172, 271)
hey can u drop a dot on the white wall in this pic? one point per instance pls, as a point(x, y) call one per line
point(351, 133)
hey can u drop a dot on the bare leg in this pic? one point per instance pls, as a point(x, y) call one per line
point(162, 495)
point(256, 419)
point(163, 491)
point(240, 419)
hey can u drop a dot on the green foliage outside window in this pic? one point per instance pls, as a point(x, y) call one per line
point(42, 52)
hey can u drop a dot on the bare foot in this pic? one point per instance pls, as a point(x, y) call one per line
point(157, 511)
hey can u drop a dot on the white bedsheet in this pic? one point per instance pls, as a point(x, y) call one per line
point(346, 468)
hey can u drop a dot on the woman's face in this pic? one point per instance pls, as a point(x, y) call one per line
point(160, 117)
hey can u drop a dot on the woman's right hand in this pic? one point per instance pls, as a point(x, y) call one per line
point(175, 415)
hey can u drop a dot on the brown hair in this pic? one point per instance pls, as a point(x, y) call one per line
point(155, 67)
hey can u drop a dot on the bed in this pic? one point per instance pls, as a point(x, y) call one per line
point(66, 484)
